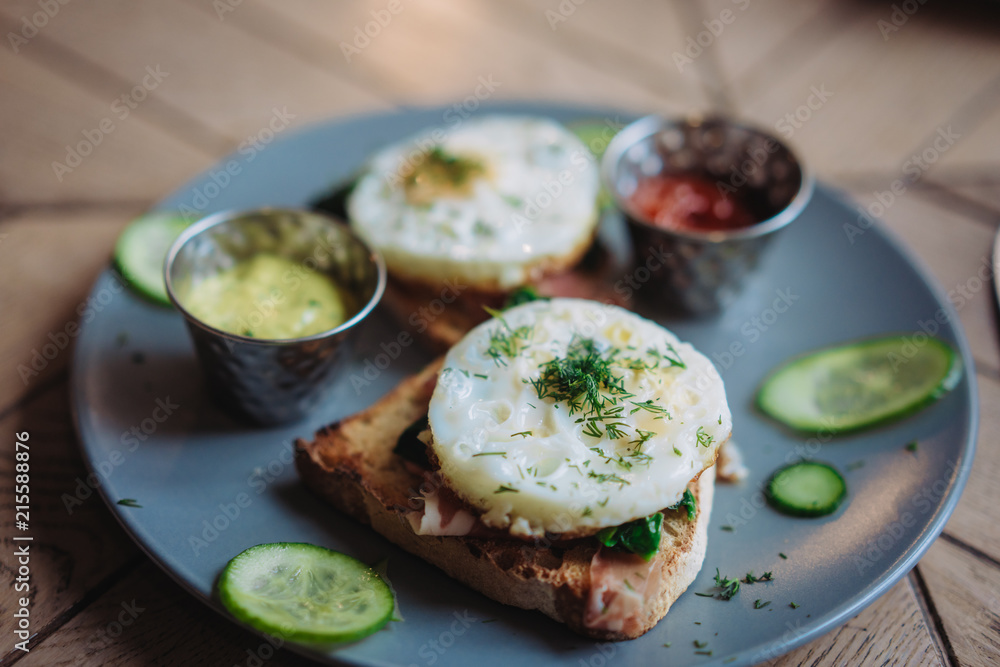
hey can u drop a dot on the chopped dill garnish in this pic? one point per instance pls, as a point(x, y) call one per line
point(648, 406)
point(912, 446)
point(728, 529)
point(583, 379)
point(757, 604)
point(480, 375)
point(505, 342)
point(523, 434)
point(698, 644)
point(751, 579)
point(677, 451)
point(643, 438)
point(783, 556)
point(793, 605)
point(704, 439)
point(640, 458)
point(587, 511)
point(503, 454)
point(506, 489)
point(608, 477)
point(730, 587)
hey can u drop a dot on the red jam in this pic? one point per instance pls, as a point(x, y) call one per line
point(688, 203)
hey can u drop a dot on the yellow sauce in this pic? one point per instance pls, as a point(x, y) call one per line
point(268, 297)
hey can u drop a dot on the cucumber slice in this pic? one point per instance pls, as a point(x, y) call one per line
point(806, 489)
point(861, 384)
point(142, 248)
point(596, 135)
point(305, 593)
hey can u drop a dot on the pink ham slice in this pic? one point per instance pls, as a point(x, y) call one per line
point(618, 583)
point(443, 513)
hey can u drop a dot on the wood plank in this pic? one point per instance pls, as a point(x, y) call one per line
point(147, 619)
point(635, 46)
point(975, 521)
point(957, 250)
point(435, 52)
point(43, 113)
point(892, 631)
point(966, 594)
point(228, 80)
point(751, 45)
point(879, 109)
point(977, 152)
point(53, 258)
point(70, 553)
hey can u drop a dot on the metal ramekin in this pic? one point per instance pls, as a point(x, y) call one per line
point(702, 272)
point(272, 381)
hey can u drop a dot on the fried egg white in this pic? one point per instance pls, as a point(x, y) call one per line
point(532, 203)
point(533, 465)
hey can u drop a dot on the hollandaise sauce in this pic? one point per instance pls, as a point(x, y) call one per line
point(269, 297)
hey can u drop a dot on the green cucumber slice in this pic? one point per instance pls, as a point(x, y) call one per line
point(806, 489)
point(860, 384)
point(305, 593)
point(596, 135)
point(142, 248)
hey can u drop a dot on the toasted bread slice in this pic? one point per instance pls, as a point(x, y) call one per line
point(351, 463)
point(444, 313)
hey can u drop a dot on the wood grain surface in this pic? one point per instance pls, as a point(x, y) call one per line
point(868, 85)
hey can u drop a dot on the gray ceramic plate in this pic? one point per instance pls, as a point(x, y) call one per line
point(211, 486)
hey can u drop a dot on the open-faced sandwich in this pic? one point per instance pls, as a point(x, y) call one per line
point(469, 214)
point(557, 458)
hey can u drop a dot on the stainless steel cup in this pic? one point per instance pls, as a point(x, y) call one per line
point(702, 272)
point(272, 381)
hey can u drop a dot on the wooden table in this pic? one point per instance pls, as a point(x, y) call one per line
point(161, 90)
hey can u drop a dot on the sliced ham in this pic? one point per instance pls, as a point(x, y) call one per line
point(442, 514)
point(618, 583)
